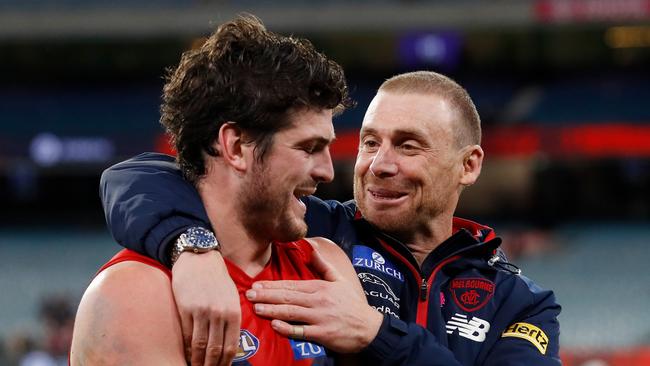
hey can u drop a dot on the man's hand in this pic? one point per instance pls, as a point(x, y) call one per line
point(208, 305)
point(335, 312)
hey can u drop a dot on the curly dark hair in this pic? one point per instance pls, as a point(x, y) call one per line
point(247, 75)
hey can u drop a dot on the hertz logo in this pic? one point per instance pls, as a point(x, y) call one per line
point(530, 333)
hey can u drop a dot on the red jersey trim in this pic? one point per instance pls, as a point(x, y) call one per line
point(127, 255)
point(301, 247)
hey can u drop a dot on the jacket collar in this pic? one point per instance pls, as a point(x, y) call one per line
point(480, 233)
point(468, 239)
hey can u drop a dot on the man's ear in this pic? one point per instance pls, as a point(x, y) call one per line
point(231, 146)
point(472, 163)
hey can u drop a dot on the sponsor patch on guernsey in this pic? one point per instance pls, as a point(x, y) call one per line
point(365, 257)
point(248, 346)
point(530, 333)
point(303, 350)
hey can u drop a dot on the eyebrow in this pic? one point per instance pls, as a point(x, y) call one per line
point(319, 140)
point(400, 133)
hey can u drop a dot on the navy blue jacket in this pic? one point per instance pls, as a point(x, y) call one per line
point(465, 305)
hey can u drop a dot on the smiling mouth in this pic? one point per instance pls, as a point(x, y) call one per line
point(303, 192)
point(383, 194)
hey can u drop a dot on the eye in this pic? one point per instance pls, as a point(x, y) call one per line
point(409, 146)
point(313, 147)
point(309, 149)
point(369, 144)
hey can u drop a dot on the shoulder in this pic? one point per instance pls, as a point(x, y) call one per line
point(522, 298)
point(124, 312)
point(329, 250)
point(536, 293)
point(128, 277)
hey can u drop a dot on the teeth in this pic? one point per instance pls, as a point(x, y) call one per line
point(303, 193)
point(386, 194)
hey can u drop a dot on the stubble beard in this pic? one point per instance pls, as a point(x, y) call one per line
point(266, 212)
point(401, 223)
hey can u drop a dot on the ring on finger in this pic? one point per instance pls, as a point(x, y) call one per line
point(298, 332)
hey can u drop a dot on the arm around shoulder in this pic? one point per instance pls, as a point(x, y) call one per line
point(148, 203)
point(128, 317)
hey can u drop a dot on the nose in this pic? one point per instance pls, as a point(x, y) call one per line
point(323, 169)
point(383, 163)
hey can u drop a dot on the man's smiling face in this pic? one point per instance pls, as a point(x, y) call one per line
point(408, 165)
point(297, 161)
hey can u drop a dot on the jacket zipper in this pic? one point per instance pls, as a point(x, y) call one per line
point(422, 313)
point(423, 290)
point(423, 303)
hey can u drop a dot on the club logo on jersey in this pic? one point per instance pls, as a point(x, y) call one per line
point(304, 349)
point(473, 328)
point(471, 294)
point(530, 333)
point(386, 294)
point(248, 346)
point(364, 257)
point(442, 299)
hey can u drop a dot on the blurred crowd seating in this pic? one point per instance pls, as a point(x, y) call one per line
point(112, 108)
point(171, 4)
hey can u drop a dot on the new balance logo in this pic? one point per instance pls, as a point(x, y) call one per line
point(474, 328)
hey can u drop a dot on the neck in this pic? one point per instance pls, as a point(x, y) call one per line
point(422, 241)
point(238, 245)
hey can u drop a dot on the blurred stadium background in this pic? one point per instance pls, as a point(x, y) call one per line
point(563, 88)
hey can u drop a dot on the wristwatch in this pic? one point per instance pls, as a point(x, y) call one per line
point(194, 239)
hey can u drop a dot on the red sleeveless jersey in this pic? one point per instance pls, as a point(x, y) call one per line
point(259, 344)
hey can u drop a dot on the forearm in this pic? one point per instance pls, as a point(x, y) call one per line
point(147, 204)
point(401, 343)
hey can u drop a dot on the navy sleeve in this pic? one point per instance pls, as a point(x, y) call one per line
point(147, 204)
point(401, 343)
point(532, 337)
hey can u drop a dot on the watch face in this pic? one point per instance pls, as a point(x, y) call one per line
point(200, 238)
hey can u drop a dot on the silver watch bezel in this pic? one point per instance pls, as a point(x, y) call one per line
point(194, 239)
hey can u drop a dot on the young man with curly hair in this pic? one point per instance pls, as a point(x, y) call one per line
point(250, 114)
